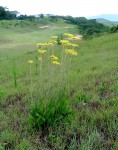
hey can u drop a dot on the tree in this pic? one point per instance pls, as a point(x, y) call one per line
point(42, 16)
point(5, 14)
point(2, 13)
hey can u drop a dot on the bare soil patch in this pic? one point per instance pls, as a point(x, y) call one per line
point(68, 27)
point(42, 27)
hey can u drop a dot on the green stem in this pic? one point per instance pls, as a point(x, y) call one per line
point(31, 79)
point(36, 65)
point(14, 75)
point(40, 82)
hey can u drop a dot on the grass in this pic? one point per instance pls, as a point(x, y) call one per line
point(91, 92)
point(24, 39)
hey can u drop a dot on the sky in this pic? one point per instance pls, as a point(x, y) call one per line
point(75, 8)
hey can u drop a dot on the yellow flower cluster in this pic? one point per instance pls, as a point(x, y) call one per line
point(72, 45)
point(64, 42)
point(67, 43)
point(45, 44)
point(68, 35)
point(41, 51)
point(49, 44)
point(71, 36)
point(71, 51)
point(30, 61)
point(54, 60)
point(53, 42)
point(54, 37)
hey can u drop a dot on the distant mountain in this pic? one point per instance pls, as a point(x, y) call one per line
point(102, 19)
point(106, 22)
point(110, 17)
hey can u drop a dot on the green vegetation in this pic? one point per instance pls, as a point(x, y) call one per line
point(114, 29)
point(70, 107)
point(5, 14)
point(107, 22)
point(88, 28)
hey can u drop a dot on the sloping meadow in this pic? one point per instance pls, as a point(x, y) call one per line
point(62, 95)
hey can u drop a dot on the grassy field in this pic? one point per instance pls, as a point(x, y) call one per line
point(76, 104)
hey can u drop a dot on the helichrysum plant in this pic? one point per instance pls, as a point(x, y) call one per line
point(30, 65)
point(47, 113)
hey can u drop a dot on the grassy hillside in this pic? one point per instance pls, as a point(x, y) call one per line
point(26, 34)
point(85, 90)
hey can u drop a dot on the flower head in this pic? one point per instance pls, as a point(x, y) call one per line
point(71, 51)
point(72, 45)
point(64, 42)
point(42, 51)
point(50, 44)
point(53, 42)
point(40, 45)
point(30, 61)
point(55, 62)
point(68, 35)
point(53, 58)
point(54, 37)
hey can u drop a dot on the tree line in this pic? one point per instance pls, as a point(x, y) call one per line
point(88, 27)
point(5, 14)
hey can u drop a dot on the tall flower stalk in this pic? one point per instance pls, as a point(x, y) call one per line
point(30, 65)
point(48, 54)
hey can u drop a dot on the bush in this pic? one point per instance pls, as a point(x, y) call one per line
point(114, 29)
point(48, 114)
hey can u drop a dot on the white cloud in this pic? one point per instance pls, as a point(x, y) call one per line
point(63, 7)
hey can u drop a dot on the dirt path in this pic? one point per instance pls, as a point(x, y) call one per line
point(42, 27)
point(79, 36)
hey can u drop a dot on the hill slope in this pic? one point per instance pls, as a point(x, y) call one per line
point(89, 86)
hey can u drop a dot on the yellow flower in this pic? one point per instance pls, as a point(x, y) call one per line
point(54, 37)
point(30, 61)
point(50, 44)
point(55, 62)
point(53, 58)
point(42, 51)
point(67, 43)
point(44, 44)
point(40, 44)
point(68, 35)
point(53, 42)
point(64, 42)
point(72, 45)
point(71, 51)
